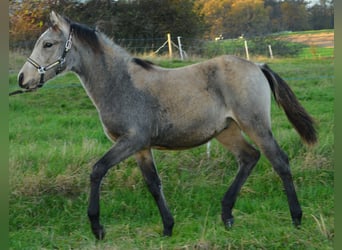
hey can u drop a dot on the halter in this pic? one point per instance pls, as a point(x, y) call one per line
point(42, 69)
point(60, 62)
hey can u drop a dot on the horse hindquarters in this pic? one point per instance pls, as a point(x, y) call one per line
point(247, 157)
point(253, 118)
point(262, 136)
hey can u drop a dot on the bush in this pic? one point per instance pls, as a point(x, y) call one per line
point(257, 46)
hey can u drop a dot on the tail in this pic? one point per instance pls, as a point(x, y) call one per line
point(294, 111)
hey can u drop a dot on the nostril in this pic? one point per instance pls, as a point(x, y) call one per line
point(21, 79)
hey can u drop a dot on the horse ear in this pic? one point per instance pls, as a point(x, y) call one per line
point(59, 22)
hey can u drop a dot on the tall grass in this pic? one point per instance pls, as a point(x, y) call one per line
point(55, 138)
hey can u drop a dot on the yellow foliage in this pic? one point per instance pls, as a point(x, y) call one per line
point(26, 19)
point(233, 16)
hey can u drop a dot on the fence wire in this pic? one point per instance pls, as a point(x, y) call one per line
point(194, 48)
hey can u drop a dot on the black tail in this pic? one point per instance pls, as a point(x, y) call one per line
point(294, 111)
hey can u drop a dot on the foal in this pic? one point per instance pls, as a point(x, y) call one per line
point(143, 106)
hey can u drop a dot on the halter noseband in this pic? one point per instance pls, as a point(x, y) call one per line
point(60, 62)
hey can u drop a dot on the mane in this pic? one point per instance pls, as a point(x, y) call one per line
point(85, 35)
point(143, 63)
point(95, 39)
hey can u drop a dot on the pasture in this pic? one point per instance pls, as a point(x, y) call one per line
point(55, 138)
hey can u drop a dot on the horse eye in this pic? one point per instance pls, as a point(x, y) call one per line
point(47, 45)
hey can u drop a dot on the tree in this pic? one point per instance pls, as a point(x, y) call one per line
point(275, 15)
point(26, 21)
point(214, 13)
point(155, 18)
point(248, 18)
point(29, 18)
point(294, 15)
point(321, 16)
point(118, 19)
point(130, 19)
point(234, 17)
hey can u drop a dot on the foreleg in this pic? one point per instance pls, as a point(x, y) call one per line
point(125, 147)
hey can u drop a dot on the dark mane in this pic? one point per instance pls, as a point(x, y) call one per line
point(85, 35)
point(143, 63)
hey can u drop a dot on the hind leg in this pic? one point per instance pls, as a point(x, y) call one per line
point(247, 157)
point(280, 163)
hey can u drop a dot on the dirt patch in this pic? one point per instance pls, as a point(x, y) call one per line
point(320, 39)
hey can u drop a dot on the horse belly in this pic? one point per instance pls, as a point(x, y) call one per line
point(190, 131)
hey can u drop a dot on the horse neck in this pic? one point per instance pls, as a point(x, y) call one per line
point(103, 73)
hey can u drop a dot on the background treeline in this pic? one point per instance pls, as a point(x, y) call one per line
point(150, 19)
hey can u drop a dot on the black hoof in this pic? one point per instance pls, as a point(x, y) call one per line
point(229, 223)
point(167, 233)
point(99, 232)
point(297, 219)
point(296, 223)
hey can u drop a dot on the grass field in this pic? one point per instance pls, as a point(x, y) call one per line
point(55, 138)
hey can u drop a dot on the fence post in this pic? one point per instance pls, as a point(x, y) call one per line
point(208, 149)
point(170, 44)
point(180, 47)
point(246, 48)
point(270, 49)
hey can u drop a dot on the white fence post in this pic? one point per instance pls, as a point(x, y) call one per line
point(180, 47)
point(270, 50)
point(246, 48)
point(208, 149)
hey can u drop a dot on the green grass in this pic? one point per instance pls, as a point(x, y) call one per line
point(314, 52)
point(55, 138)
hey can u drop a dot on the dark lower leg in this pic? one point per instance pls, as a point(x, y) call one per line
point(124, 147)
point(157, 193)
point(247, 157)
point(94, 204)
point(281, 165)
point(245, 168)
point(148, 169)
point(284, 172)
point(295, 209)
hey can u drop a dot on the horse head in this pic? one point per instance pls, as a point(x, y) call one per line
point(50, 54)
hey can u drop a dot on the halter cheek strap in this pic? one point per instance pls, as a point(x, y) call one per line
point(60, 62)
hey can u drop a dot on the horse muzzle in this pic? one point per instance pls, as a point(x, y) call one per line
point(24, 83)
point(21, 80)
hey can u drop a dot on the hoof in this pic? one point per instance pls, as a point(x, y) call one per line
point(296, 223)
point(167, 233)
point(229, 223)
point(99, 232)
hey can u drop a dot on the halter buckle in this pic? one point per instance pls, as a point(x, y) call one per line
point(68, 43)
point(41, 70)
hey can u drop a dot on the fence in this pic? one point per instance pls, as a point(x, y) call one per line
point(183, 47)
point(257, 46)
